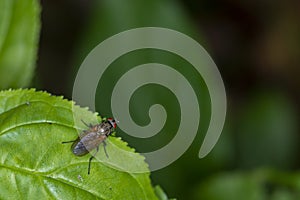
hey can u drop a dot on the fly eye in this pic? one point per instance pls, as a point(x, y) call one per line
point(114, 124)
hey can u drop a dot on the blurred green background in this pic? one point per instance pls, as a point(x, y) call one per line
point(255, 45)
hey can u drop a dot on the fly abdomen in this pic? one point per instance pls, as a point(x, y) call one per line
point(79, 149)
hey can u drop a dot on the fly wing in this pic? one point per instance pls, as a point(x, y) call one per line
point(78, 147)
point(92, 140)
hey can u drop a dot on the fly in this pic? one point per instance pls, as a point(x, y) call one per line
point(92, 138)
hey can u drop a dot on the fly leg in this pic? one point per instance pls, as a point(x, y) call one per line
point(91, 158)
point(104, 146)
point(68, 141)
point(88, 125)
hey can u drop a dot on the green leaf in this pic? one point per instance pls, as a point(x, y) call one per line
point(34, 164)
point(19, 31)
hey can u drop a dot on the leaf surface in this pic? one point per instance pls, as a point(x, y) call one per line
point(34, 164)
point(19, 34)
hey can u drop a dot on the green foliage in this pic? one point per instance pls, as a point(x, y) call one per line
point(257, 185)
point(19, 31)
point(34, 164)
point(109, 17)
point(267, 131)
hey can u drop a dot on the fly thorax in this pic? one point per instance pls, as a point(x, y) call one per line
point(101, 130)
